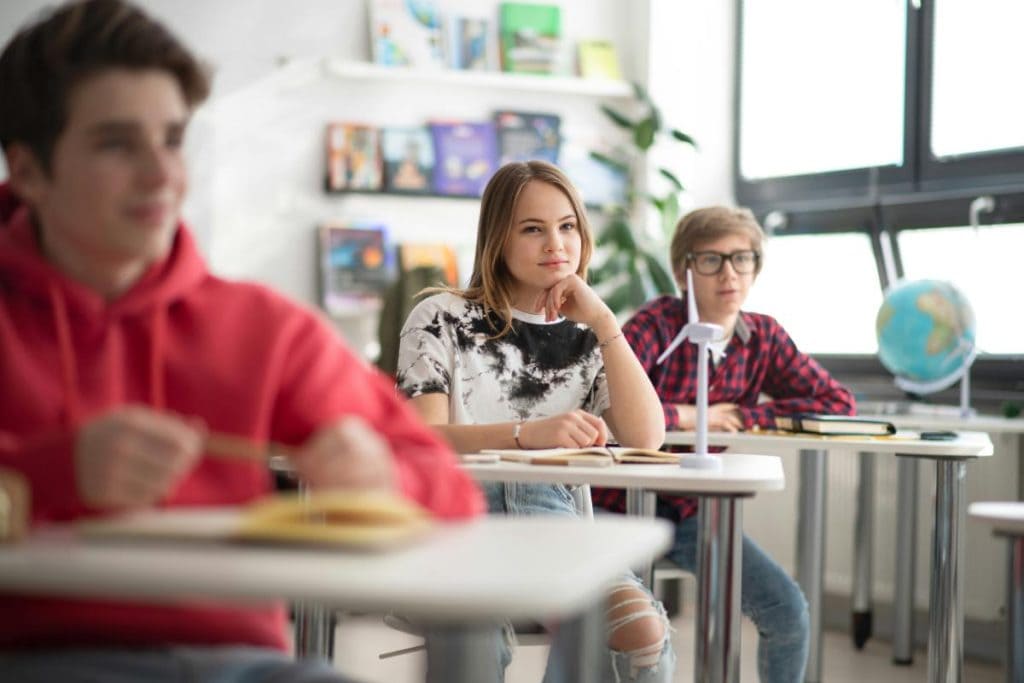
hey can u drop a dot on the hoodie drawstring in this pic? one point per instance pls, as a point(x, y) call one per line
point(156, 358)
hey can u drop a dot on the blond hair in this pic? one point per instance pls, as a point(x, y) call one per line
point(708, 225)
point(491, 283)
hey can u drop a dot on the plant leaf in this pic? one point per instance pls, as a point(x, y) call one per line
point(618, 300)
point(670, 215)
point(617, 118)
point(614, 164)
point(662, 281)
point(683, 137)
point(643, 134)
point(637, 289)
point(671, 178)
point(641, 93)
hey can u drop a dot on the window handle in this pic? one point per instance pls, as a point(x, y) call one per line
point(983, 204)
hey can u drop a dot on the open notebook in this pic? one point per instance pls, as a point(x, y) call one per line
point(594, 456)
point(330, 518)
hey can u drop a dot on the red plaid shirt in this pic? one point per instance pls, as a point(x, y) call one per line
point(760, 358)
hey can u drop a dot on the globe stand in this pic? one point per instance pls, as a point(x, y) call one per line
point(962, 374)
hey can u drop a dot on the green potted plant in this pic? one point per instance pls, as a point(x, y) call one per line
point(633, 265)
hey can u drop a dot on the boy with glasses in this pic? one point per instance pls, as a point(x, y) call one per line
point(755, 357)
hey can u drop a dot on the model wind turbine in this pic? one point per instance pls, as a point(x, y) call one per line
point(701, 334)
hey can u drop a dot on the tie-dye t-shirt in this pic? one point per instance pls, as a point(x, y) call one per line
point(538, 370)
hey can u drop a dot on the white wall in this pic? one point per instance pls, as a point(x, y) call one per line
point(256, 147)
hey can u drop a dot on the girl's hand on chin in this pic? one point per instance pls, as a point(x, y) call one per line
point(574, 299)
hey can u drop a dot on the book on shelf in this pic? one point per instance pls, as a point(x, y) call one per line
point(408, 159)
point(436, 255)
point(465, 155)
point(356, 519)
point(353, 157)
point(468, 43)
point(356, 267)
point(523, 136)
point(594, 456)
point(404, 33)
point(836, 425)
point(531, 37)
point(598, 59)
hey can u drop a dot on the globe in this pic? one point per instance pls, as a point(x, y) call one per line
point(925, 334)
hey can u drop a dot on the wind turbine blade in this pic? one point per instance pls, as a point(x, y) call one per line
point(680, 338)
point(691, 300)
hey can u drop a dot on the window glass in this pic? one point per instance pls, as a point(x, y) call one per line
point(985, 264)
point(823, 289)
point(977, 102)
point(822, 86)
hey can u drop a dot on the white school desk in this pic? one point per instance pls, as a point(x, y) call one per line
point(924, 418)
point(475, 572)
point(945, 637)
point(719, 547)
point(1007, 519)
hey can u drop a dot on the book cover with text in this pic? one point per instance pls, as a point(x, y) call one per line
point(523, 136)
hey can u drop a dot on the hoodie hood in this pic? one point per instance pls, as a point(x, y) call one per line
point(71, 306)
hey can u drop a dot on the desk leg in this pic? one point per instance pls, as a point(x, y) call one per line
point(810, 549)
point(946, 618)
point(719, 565)
point(314, 635)
point(642, 503)
point(462, 653)
point(863, 549)
point(584, 637)
point(906, 561)
point(1015, 612)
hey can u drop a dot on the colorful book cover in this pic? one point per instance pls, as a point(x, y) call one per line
point(523, 136)
point(440, 256)
point(356, 266)
point(598, 59)
point(465, 157)
point(406, 33)
point(530, 37)
point(468, 42)
point(408, 160)
point(353, 157)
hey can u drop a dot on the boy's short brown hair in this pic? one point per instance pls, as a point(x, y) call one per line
point(707, 225)
point(49, 57)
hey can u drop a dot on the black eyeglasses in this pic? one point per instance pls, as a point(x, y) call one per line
point(710, 262)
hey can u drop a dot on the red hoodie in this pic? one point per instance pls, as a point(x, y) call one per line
point(245, 360)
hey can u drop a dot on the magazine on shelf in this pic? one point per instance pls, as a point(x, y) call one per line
point(468, 43)
point(530, 37)
point(523, 136)
point(465, 156)
point(404, 33)
point(594, 456)
point(356, 267)
point(413, 255)
point(598, 59)
point(837, 425)
point(357, 519)
point(353, 157)
point(408, 159)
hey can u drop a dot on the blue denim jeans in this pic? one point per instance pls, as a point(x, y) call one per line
point(163, 665)
point(772, 600)
point(555, 499)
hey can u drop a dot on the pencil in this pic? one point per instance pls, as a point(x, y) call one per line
point(222, 445)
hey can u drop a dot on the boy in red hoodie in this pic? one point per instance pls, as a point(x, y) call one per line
point(120, 352)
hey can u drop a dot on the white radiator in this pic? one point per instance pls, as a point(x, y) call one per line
point(770, 519)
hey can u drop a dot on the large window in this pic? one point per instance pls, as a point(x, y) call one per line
point(984, 263)
point(823, 289)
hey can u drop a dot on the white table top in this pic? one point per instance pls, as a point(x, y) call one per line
point(939, 417)
point(966, 444)
point(495, 566)
point(740, 474)
point(1005, 518)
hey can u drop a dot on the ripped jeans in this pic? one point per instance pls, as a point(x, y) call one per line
point(652, 664)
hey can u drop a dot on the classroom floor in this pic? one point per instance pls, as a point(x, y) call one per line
point(360, 639)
